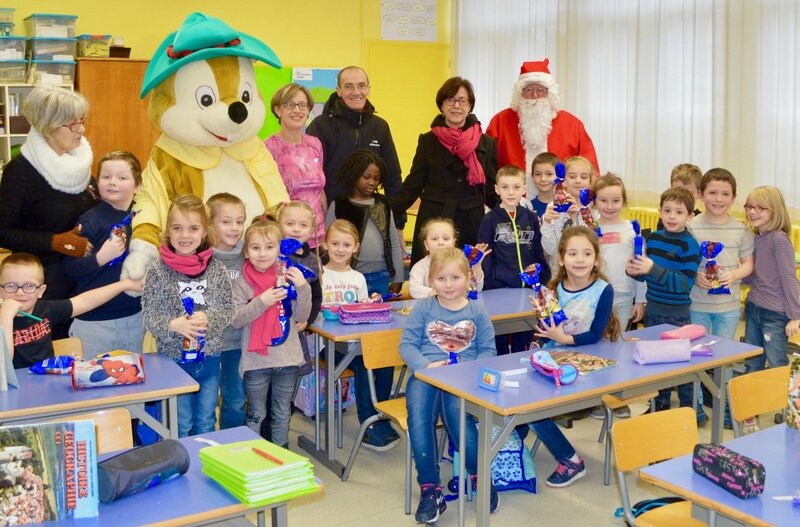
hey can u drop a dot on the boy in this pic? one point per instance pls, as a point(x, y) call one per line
point(22, 283)
point(512, 233)
point(543, 172)
point(688, 176)
point(720, 313)
point(117, 324)
point(669, 268)
point(227, 213)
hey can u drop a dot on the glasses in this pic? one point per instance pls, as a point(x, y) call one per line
point(292, 105)
point(27, 287)
point(758, 209)
point(541, 91)
point(461, 101)
point(361, 86)
point(76, 126)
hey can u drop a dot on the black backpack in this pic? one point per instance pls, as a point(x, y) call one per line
point(648, 505)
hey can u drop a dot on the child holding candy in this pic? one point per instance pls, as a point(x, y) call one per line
point(186, 304)
point(117, 324)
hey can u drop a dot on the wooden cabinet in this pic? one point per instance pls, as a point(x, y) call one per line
point(118, 118)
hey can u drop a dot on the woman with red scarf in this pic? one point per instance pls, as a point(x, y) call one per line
point(453, 169)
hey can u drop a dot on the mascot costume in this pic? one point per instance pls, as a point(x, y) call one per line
point(205, 102)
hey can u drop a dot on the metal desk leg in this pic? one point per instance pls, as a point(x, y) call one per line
point(280, 516)
point(172, 411)
point(484, 466)
point(719, 404)
point(462, 441)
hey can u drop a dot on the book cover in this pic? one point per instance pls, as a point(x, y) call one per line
point(240, 458)
point(48, 471)
point(583, 362)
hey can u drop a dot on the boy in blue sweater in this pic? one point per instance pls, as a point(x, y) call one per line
point(512, 233)
point(669, 268)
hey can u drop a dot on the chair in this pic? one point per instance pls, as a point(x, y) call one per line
point(71, 346)
point(641, 441)
point(611, 403)
point(757, 393)
point(112, 426)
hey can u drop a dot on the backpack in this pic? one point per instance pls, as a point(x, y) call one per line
point(647, 505)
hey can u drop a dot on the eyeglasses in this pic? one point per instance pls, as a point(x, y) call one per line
point(76, 126)
point(361, 86)
point(292, 105)
point(758, 209)
point(461, 101)
point(533, 89)
point(27, 287)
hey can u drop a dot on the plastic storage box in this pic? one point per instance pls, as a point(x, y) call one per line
point(12, 71)
point(46, 25)
point(94, 45)
point(7, 15)
point(51, 72)
point(6, 28)
point(45, 48)
point(12, 47)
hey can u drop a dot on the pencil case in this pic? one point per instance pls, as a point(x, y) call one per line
point(140, 468)
point(738, 474)
point(689, 331)
point(108, 370)
point(662, 351)
point(370, 313)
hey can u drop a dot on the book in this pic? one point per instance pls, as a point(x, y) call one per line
point(48, 471)
point(583, 362)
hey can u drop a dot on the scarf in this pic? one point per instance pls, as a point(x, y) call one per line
point(69, 172)
point(192, 265)
point(267, 326)
point(463, 143)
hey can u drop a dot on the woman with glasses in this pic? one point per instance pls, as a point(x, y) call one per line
point(299, 155)
point(453, 170)
point(44, 191)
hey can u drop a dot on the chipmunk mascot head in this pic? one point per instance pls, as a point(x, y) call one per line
point(205, 102)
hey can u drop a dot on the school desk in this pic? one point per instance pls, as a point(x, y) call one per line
point(537, 396)
point(777, 448)
point(509, 309)
point(43, 397)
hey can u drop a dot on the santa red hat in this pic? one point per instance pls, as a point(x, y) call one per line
point(536, 71)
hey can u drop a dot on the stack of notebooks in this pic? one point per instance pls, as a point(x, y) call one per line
point(258, 472)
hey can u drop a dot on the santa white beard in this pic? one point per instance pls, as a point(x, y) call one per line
point(535, 123)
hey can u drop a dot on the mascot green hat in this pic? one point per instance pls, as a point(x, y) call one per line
point(202, 37)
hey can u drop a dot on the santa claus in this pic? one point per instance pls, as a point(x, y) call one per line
point(535, 123)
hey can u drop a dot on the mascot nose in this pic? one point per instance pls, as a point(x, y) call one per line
point(237, 112)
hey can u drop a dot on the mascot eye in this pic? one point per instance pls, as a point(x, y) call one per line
point(205, 96)
point(246, 91)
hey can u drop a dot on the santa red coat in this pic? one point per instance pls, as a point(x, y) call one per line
point(567, 138)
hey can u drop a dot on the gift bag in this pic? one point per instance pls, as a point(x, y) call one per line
point(304, 399)
point(793, 404)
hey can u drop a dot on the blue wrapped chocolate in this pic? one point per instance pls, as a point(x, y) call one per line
point(586, 197)
point(474, 256)
point(638, 239)
point(288, 247)
point(61, 365)
point(560, 194)
point(711, 250)
point(543, 299)
point(192, 349)
point(119, 230)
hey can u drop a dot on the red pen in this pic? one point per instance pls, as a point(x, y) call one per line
point(267, 456)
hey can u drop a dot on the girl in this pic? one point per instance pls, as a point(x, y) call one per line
point(451, 318)
point(772, 310)
point(437, 233)
point(270, 353)
point(587, 300)
point(186, 270)
point(381, 257)
point(341, 284)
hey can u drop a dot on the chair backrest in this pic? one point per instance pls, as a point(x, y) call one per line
point(381, 350)
point(71, 346)
point(653, 437)
point(112, 426)
point(758, 392)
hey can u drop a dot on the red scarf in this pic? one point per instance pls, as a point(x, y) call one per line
point(267, 326)
point(191, 265)
point(463, 143)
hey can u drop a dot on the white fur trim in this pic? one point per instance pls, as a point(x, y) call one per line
point(544, 79)
point(140, 255)
point(69, 172)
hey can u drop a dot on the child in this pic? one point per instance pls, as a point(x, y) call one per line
point(227, 213)
point(543, 173)
point(449, 273)
point(381, 257)
point(267, 360)
point(512, 233)
point(688, 176)
point(341, 284)
point(772, 310)
point(186, 270)
point(438, 233)
point(116, 324)
point(22, 283)
point(669, 268)
point(579, 175)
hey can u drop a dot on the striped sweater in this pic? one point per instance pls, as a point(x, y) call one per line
point(676, 257)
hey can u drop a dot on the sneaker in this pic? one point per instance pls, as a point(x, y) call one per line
point(494, 499)
point(702, 418)
point(598, 412)
point(623, 413)
point(566, 473)
point(388, 431)
point(375, 439)
point(431, 504)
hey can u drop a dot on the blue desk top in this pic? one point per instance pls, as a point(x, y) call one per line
point(778, 448)
point(538, 392)
point(501, 304)
point(47, 395)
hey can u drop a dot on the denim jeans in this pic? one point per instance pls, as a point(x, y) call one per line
point(197, 411)
point(766, 329)
point(423, 402)
point(719, 324)
point(383, 385)
point(378, 282)
point(231, 387)
point(257, 383)
point(684, 390)
point(553, 438)
point(519, 342)
point(102, 336)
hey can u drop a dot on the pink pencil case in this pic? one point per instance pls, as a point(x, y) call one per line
point(377, 313)
point(662, 351)
point(690, 331)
